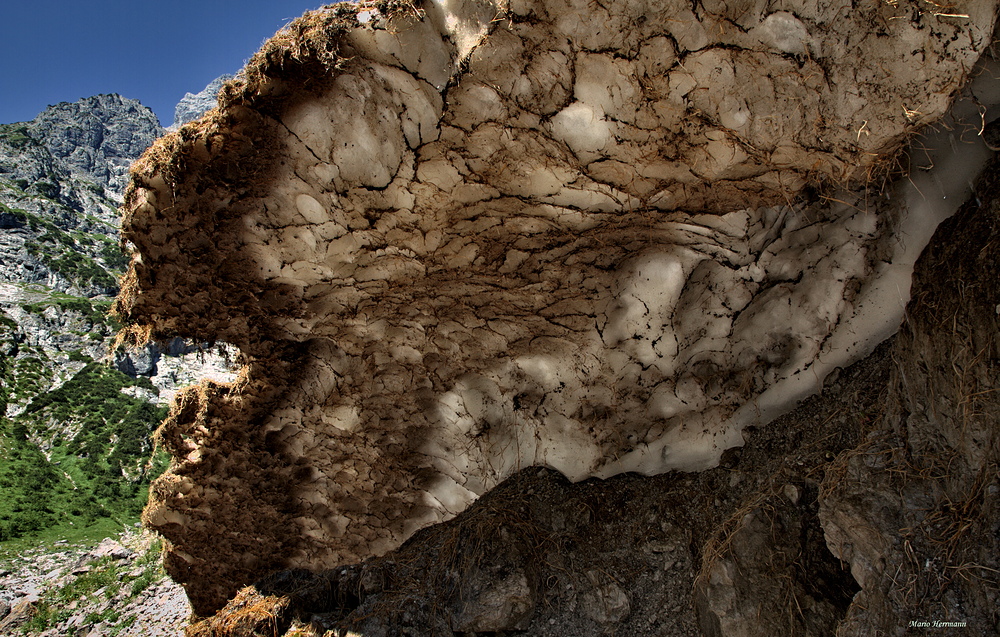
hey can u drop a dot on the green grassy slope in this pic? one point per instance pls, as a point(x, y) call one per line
point(76, 454)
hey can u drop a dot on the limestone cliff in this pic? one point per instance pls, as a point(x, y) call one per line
point(97, 138)
point(453, 240)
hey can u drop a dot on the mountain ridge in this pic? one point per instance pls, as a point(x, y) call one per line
point(61, 180)
point(76, 415)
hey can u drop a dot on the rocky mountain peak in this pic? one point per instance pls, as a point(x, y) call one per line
point(97, 137)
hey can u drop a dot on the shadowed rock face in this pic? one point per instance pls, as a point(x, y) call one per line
point(457, 240)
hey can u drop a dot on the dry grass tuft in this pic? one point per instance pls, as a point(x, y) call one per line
point(250, 614)
point(720, 543)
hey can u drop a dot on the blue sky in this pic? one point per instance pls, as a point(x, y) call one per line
point(61, 50)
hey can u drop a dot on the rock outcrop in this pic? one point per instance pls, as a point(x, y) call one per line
point(454, 242)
